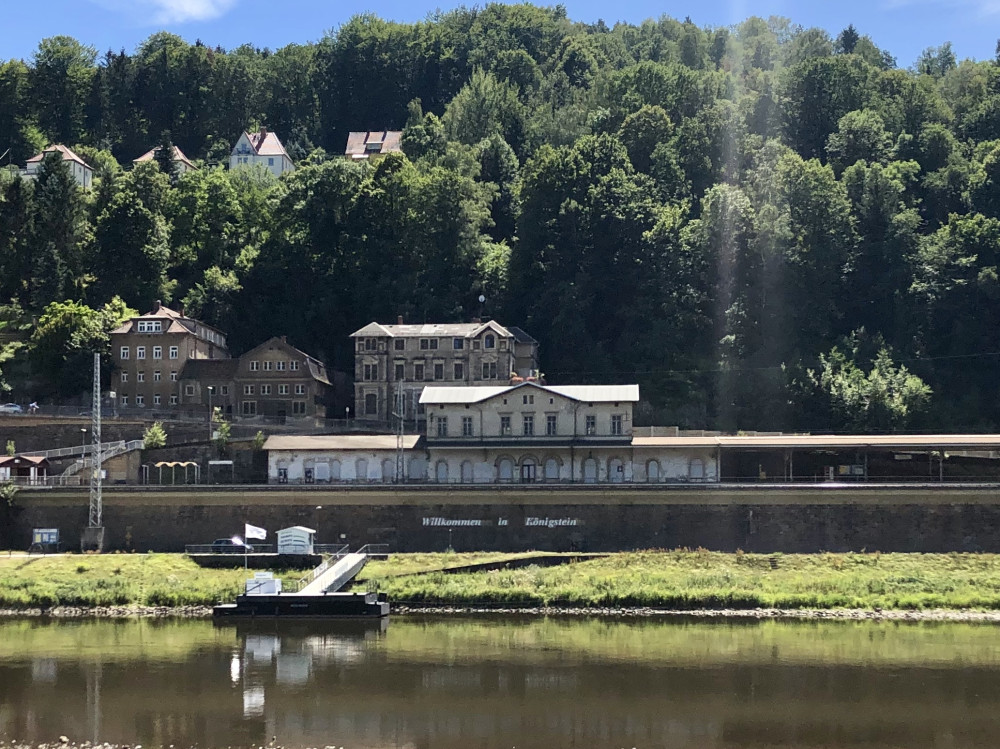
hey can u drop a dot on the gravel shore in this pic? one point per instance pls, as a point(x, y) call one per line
point(205, 612)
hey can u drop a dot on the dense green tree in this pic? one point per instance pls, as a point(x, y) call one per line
point(61, 74)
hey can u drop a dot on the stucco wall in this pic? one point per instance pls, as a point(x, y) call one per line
point(764, 519)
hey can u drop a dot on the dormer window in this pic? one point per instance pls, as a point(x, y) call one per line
point(490, 341)
point(149, 326)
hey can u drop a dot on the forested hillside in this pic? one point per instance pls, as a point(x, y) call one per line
point(765, 227)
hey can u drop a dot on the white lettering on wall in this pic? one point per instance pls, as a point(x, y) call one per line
point(551, 522)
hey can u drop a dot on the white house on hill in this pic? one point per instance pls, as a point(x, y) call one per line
point(82, 172)
point(262, 148)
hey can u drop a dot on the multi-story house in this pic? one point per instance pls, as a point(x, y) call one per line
point(263, 148)
point(274, 380)
point(182, 163)
point(530, 432)
point(409, 357)
point(82, 172)
point(150, 351)
point(364, 145)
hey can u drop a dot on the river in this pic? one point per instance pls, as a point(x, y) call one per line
point(457, 683)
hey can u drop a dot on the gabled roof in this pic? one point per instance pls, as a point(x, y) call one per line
point(432, 330)
point(209, 369)
point(361, 145)
point(178, 156)
point(67, 154)
point(316, 368)
point(339, 442)
point(266, 143)
point(9, 460)
point(520, 336)
point(176, 321)
point(583, 393)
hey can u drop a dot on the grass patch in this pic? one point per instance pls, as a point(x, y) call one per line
point(117, 579)
point(699, 579)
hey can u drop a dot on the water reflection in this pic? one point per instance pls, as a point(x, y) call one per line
point(528, 683)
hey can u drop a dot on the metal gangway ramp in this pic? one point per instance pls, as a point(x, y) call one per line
point(338, 570)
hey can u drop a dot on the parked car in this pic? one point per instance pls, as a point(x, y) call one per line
point(230, 546)
point(11, 408)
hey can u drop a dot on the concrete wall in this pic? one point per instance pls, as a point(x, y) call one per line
point(38, 433)
point(762, 519)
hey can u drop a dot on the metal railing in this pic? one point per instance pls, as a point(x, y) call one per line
point(340, 551)
point(374, 550)
point(117, 448)
point(42, 481)
point(228, 550)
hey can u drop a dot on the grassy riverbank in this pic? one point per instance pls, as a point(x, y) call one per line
point(680, 579)
point(706, 580)
point(115, 580)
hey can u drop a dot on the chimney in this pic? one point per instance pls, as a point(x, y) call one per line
point(477, 321)
point(156, 306)
point(284, 339)
point(399, 319)
point(180, 310)
point(263, 133)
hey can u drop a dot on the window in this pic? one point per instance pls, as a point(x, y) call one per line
point(399, 344)
point(371, 404)
point(300, 389)
point(249, 408)
point(156, 399)
point(254, 366)
point(399, 371)
point(459, 371)
point(124, 400)
point(225, 389)
point(173, 400)
point(140, 376)
point(298, 408)
point(173, 375)
point(280, 366)
point(504, 425)
point(550, 425)
point(503, 344)
point(149, 326)
point(282, 389)
point(442, 426)
point(616, 424)
point(458, 343)
point(140, 400)
point(173, 352)
point(371, 372)
point(428, 344)
point(489, 370)
point(156, 375)
point(268, 365)
point(529, 425)
point(265, 389)
point(528, 399)
point(270, 161)
point(466, 426)
point(490, 341)
point(370, 344)
point(591, 425)
point(293, 365)
point(124, 352)
point(189, 390)
point(124, 376)
point(140, 352)
point(157, 352)
point(248, 390)
point(418, 372)
point(439, 371)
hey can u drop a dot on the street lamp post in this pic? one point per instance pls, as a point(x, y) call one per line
point(211, 389)
point(83, 442)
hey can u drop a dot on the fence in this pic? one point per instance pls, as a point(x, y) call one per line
point(228, 550)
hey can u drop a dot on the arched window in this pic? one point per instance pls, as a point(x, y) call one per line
point(388, 471)
point(361, 469)
point(371, 404)
point(696, 469)
point(551, 470)
point(616, 471)
point(334, 470)
point(467, 472)
point(505, 470)
point(490, 341)
point(652, 471)
point(590, 471)
point(418, 469)
point(441, 472)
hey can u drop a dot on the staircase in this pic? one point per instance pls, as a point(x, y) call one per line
point(108, 450)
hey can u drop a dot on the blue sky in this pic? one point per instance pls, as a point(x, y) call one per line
point(904, 27)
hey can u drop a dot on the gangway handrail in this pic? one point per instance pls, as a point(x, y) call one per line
point(342, 551)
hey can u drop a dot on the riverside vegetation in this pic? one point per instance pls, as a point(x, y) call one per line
point(680, 580)
point(763, 226)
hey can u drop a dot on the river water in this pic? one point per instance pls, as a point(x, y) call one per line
point(459, 683)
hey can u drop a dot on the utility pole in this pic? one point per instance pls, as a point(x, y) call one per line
point(400, 414)
point(92, 538)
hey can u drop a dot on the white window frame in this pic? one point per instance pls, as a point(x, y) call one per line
point(248, 390)
point(156, 375)
point(300, 389)
point(173, 399)
point(157, 352)
point(140, 376)
point(173, 375)
point(265, 389)
point(140, 352)
point(293, 365)
point(124, 377)
point(254, 366)
point(124, 352)
point(282, 389)
point(174, 352)
point(140, 401)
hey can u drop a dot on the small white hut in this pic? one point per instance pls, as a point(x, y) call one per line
point(296, 540)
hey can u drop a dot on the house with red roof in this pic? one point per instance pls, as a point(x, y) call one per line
point(264, 148)
point(182, 163)
point(82, 172)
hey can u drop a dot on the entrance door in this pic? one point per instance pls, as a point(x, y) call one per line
point(528, 473)
point(505, 470)
point(590, 471)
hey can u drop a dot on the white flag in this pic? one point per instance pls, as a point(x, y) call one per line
point(252, 531)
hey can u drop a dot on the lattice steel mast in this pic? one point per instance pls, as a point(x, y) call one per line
point(400, 414)
point(96, 509)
